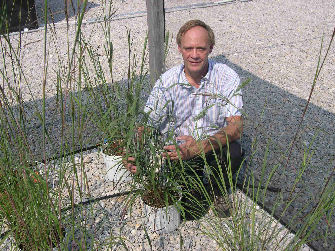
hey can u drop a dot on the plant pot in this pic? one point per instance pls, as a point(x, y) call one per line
point(162, 220)
point(115, 171)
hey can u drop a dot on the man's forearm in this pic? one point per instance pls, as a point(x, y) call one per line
point(192, 148)
point(230, 133)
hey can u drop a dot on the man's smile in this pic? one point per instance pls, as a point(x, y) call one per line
point(194, 63)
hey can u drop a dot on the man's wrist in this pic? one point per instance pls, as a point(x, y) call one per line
point(215, 142)
point(207, 145)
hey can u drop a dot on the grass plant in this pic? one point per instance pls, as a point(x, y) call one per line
point(156, 177)
point(27, 208)
point(249, 227)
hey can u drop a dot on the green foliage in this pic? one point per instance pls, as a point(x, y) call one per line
point(156, 176)
point(27, 208)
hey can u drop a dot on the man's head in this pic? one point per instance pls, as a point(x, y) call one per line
point(195, 42)
point(193, 23)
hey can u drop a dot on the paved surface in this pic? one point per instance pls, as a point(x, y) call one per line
point(274, 43)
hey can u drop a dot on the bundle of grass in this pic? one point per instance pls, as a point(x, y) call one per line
point(156, 180)
point(27, 209)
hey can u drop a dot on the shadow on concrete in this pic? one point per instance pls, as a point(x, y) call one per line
point(272, 117)
point(56, 9)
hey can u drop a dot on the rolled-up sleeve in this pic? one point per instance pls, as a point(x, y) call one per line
point(235, 102)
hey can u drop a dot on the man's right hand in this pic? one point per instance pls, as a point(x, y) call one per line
point(129, 164)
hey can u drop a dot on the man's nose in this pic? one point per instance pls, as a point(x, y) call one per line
point(194, 53)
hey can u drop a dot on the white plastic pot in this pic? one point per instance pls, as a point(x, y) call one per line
point(115, 171)
point(162, 220)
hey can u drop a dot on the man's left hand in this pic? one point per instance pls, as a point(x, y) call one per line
point(187, 150)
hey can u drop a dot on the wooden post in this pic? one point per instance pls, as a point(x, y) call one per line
point(156, 32)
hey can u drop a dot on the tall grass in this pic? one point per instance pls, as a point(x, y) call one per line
point(249, 227)
point(92, 107)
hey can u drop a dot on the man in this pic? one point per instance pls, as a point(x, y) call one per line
point(200, 102)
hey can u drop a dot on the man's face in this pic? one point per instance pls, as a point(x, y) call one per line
point(195, 49)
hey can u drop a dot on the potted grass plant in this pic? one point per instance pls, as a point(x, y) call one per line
point(119, 104)
point(121, 126)
point(120, 119)
point(157, 180)
point(27, 209)
point(114, 144)
point(112, 154)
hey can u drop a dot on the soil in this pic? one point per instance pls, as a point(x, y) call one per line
point(156, 198)
point(114, 148)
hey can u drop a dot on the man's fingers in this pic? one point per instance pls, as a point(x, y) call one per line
point(173, 155)
point(170, 148)
point(128, 166)
point(132, 159)
point(133, 169)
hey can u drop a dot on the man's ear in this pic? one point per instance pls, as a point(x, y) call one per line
point(210, 49)
point(179, 48)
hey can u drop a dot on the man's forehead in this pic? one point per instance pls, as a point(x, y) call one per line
point(196, 35)
point(197, 30)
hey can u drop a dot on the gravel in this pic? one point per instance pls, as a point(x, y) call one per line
point(114, 224)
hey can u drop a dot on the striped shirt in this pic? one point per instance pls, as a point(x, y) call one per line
point(176, 106)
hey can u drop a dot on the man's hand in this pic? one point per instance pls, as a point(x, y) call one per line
point(129, 164)
point(191, 148)
point(187, 150)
